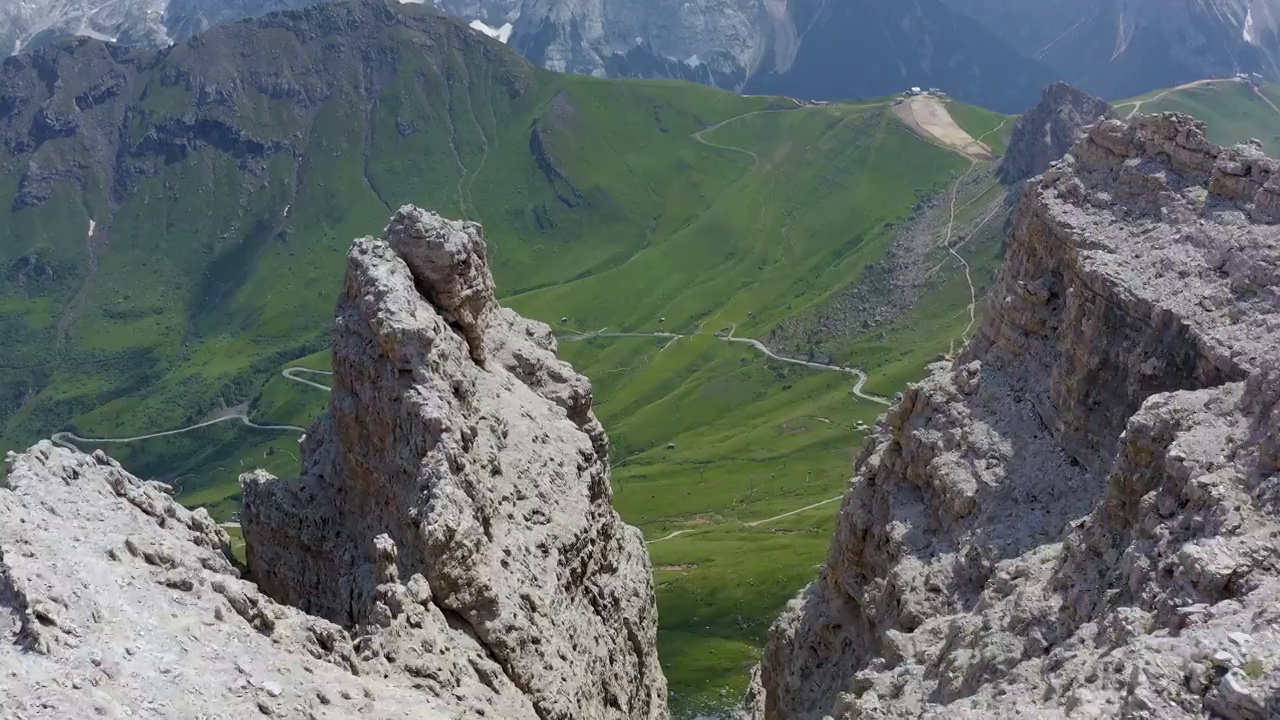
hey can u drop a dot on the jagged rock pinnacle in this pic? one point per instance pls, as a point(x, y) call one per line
point(1047, 131)
point(447, 260)
point(459, 450)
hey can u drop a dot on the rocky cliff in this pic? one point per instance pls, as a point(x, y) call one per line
point(461, 476)
point(450, 551)
point(1077, 517)
point(1047, 131)
point(894, 46)
point(703, 40)
point(147, 23)
point(1123, 48)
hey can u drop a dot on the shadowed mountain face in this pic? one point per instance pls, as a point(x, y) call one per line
point(145, 191)
point(811, 49)
point(995, 53)
point(148, 23)
point(1047, 131)
point(828, 50)
point(1122, 48)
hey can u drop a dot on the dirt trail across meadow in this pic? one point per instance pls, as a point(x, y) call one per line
point(1137, 104)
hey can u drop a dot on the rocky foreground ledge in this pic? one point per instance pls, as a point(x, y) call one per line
point(451, 550)
point(1079, 517)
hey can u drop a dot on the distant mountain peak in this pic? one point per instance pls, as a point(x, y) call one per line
point(1047, 131)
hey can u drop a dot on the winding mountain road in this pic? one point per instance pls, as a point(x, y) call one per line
point(698, 136)
point(66, 439)
point(292, 374)
point(856, 372)
point(1137, 104)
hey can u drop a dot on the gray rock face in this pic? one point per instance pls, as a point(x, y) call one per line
point(1075, 518)
point(1123, 48)
point(1048, 131)
point(451, 550)
point(783, 47)
point(461, 475)
point(148, 23)
point(116, 602)
point(593, 37)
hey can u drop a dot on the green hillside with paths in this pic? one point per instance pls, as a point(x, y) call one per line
point(210, 267)
point(1235, 111)
point(994, 128)
point(707, 435)
point(222, 217)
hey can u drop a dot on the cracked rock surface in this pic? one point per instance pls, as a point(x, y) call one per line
point(116, 602)
point(1078, 517)
point(455, 505)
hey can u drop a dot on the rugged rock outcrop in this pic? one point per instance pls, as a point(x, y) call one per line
point(1078, 516)
point(1047, 131)
point(117, 602)
point(451, 550)
point(457, 493)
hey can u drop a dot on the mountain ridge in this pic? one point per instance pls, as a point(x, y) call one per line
point(733, 44)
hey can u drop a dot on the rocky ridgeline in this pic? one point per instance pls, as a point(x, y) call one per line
point(1046, 132)
point(1079, 517)
point(450, 551)
point(117, 602)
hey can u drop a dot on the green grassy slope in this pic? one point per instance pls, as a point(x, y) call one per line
point(211, 267)
point(709, 436)
point(1235, 111)
point(222, 221)
point(993, 128)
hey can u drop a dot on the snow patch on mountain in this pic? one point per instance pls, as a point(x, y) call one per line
point(501, 34)
point(91, 33)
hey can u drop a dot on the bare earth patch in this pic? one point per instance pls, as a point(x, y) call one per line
point(928, 117)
